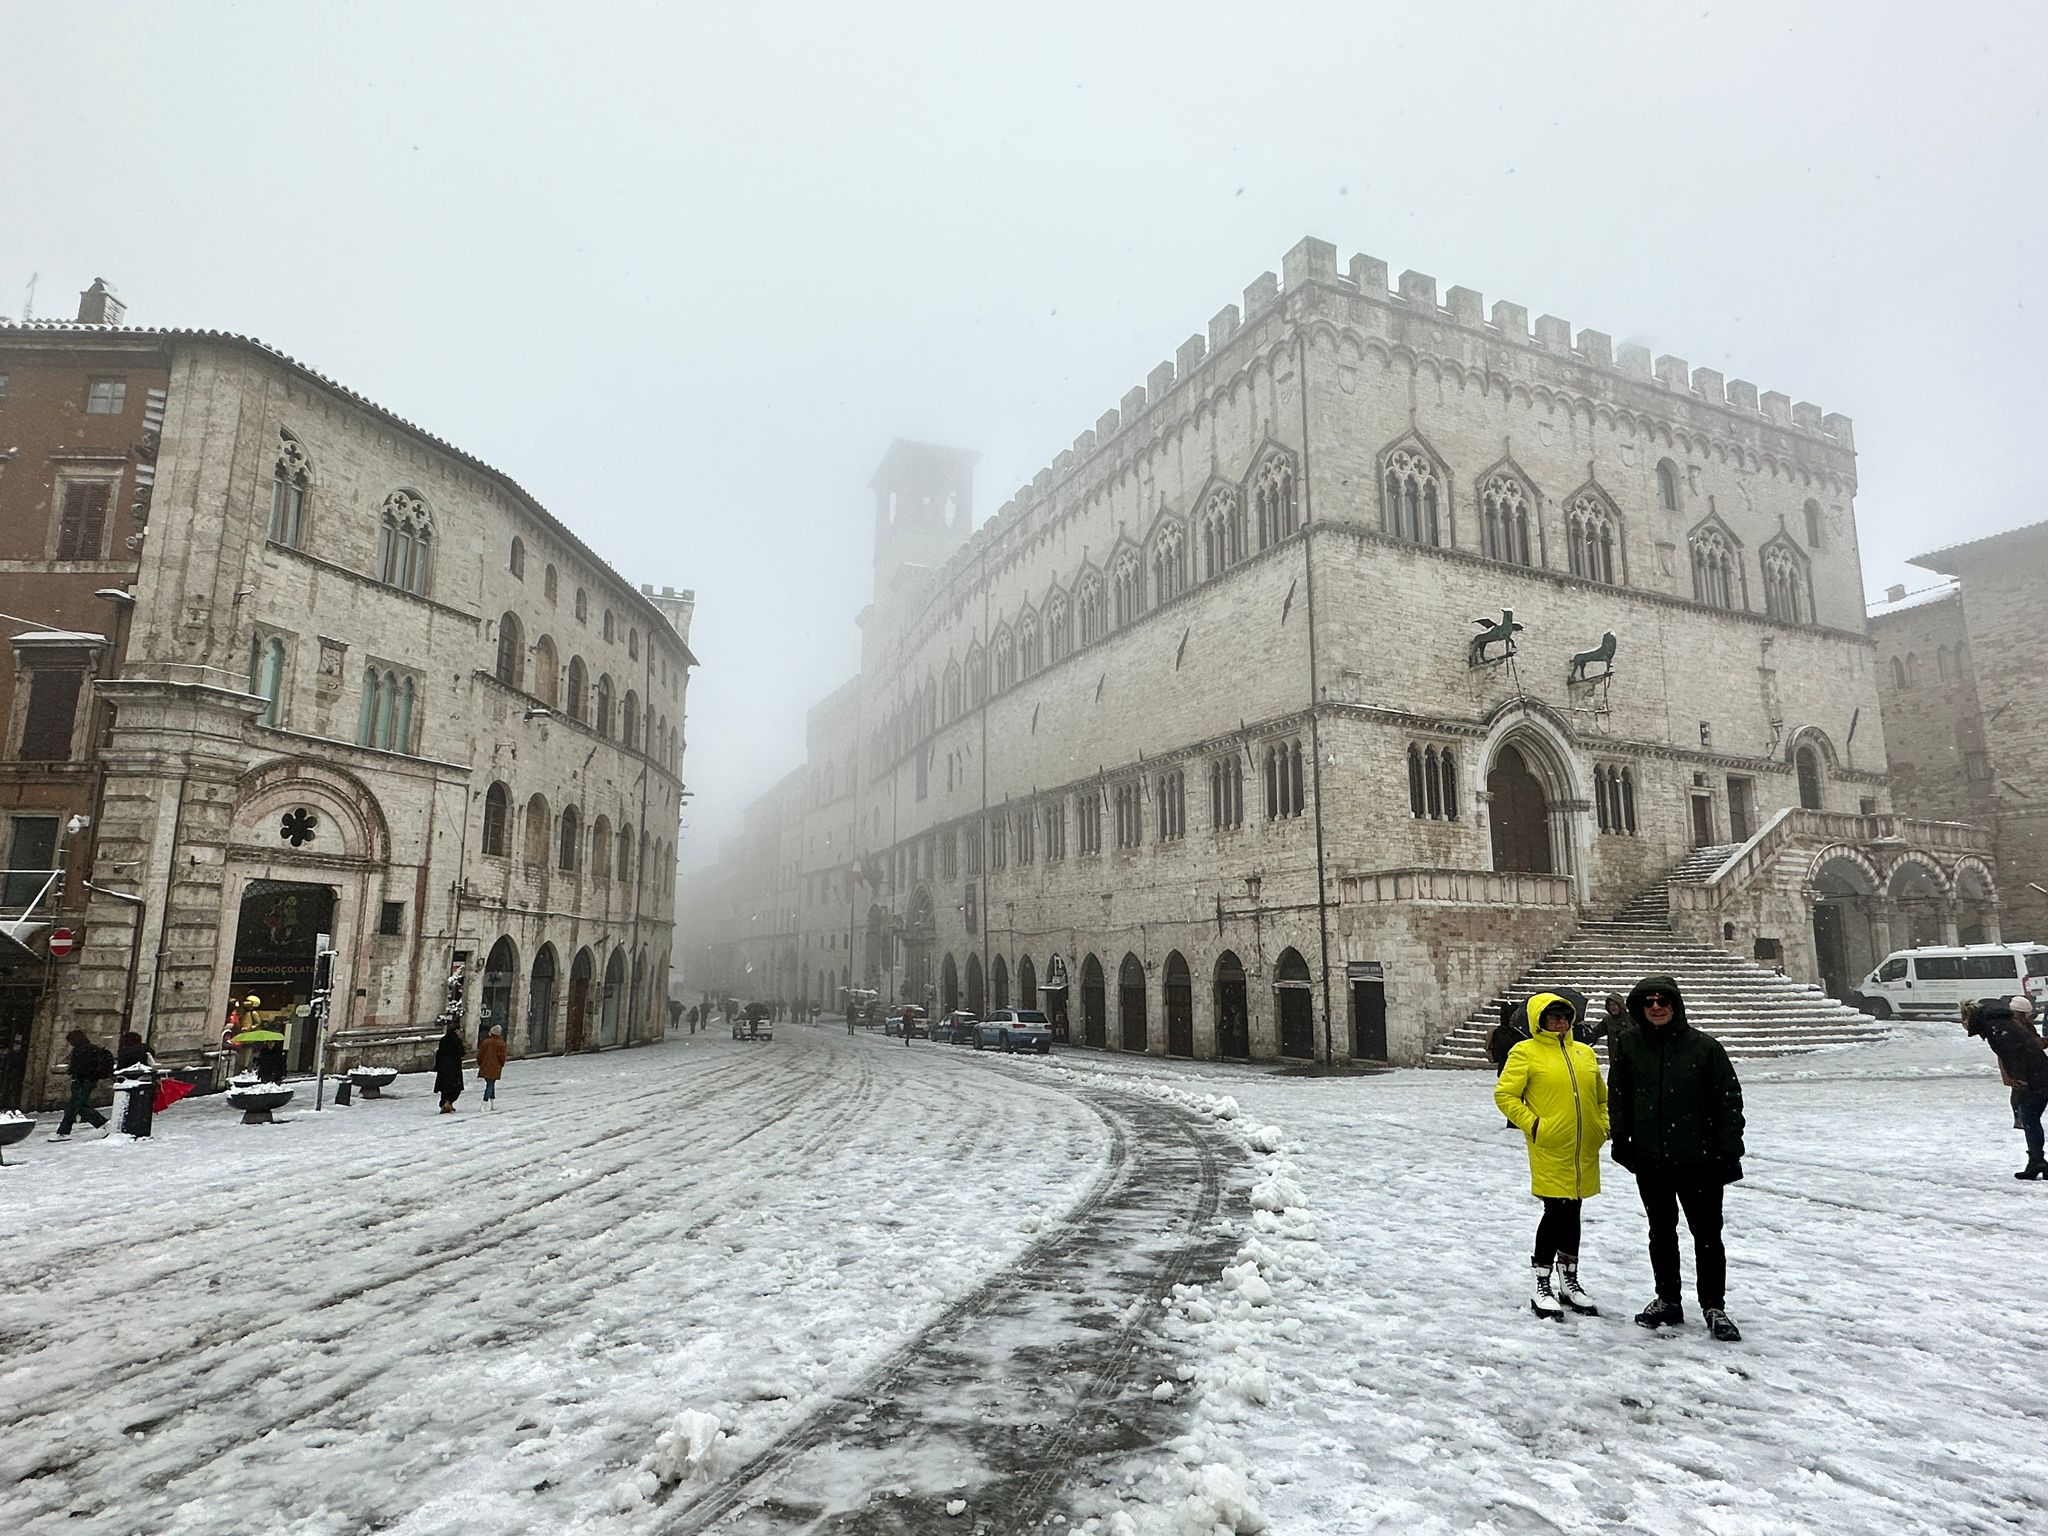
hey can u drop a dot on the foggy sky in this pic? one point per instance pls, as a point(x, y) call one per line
point(683, 271)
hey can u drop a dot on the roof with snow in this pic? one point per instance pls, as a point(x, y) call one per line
point(1920, 599)
point(1946, 559)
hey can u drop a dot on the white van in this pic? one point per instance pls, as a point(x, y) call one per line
point(1933, 981)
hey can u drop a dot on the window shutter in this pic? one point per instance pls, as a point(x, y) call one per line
point(82, 528)
point(52, 710)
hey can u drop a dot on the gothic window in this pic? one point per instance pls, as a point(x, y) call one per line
point(633, 644)
point(1432, 783)
point(1130, 815)
point(1786, 594)
point(601, 848)
point(977, 676)
point(1273, 497)
point(385, 721)
point(579, 689)
point(582, 606)
point(1505, 516)
point(1056, 829)
point(954, 695)
point(517, 563)
point(1418, 805)
point(1284, 784)
point(1222, 532)
point(497, 816)
point(1089, 813)
point(1006, 661)
point(1029, 655)
point(1812, 524)
point(1667, 485)
point(550, 584)
point(404, 542)
point(538, 824)
point(1414, 498)
point(569, 844)
point(546, 671)
point(603, 716)
point(998, 842)
point(1716, 575)
point(625, 853)
point(1170, 797)
point(1129, 588)
point(266, 675)
point(289, 481)
point(1614, 798)
point(611, 628)
point(511, 665)
point(1592, 538)
point(1169, 564)
point(1226, 792)
point(1094, 607)
point(1059, 634)
point(629, 721)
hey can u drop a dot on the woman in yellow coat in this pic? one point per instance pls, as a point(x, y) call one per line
point(1551, 1088)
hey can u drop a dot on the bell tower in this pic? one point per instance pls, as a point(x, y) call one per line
point(924, 510)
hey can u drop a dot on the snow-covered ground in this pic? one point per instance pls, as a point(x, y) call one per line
point(539, 1319)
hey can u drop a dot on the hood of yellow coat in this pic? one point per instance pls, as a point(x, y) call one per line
point(1538, 1004)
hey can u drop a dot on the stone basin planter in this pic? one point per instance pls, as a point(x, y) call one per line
point(258, 1101)
point(14, 1126)
point(371, 1082)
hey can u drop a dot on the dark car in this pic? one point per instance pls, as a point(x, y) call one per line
point(956, 1028)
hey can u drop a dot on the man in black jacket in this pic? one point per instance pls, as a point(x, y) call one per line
point(1674, 1108)
point(2024, 1068)
point(87, 1065)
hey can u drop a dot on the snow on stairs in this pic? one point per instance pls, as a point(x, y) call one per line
point(1751, 1010)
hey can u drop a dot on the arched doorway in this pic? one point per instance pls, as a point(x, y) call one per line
point(1845, 937)
point(540, 1004)
point(1094, 1012)
point(1976, 905)
point(975, 995)
point(949, 986)
point(1130, 1003)
point(1295, 995)
point(1233, 1021)
point(1920, 901)
point(1519, 816)
point(999, 982)
point(1179, 996)
point(276, 938)
point(636, 1010)
point(1027, 984)
point(613, 998)
point(501, 981)
point(581, 971)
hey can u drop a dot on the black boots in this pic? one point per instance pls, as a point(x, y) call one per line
point(1722, 1326)
point(2036, 1168)
point(1660, 1314)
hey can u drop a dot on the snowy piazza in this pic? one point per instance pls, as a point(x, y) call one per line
point(914, 770)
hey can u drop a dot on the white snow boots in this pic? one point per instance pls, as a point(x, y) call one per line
point(1543, 1300)
point(1568, 1290)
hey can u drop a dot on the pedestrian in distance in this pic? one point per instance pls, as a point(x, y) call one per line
point(1675, 1108)
point(1510, 1032)
point(1551, 1089)
point(132, 1052)
point(87, 1065)
point(271, 1062)
point(448, 1067)
point(490, 1063)
point(1613, 1019)
point(2022, 1067)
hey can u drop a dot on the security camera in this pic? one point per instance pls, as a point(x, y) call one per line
point(77, 824)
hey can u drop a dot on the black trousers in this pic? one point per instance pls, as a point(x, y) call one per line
point(1558, 1231)
point(1700, 1198)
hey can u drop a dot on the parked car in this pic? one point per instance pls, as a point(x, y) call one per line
point(753, 1022)
point(893, 1023)
point(1015, 1029)
point(1934, 980)
point(957, 1028)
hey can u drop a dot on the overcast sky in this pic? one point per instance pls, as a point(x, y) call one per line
point(683, 271)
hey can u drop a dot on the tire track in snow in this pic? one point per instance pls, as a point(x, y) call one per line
point(1013, 1399)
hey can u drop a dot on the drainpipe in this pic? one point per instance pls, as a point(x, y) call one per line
point(1315, 739)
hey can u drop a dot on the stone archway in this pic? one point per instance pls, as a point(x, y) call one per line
point(1849, 936)
point(1233, 1019)
point(949, 986)
point(1532, 800)
point(1976, 904)
point(1918, 892)
point(1518, 815)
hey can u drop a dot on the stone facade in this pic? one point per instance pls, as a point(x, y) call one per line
point(1182, 716)
point(372, 689)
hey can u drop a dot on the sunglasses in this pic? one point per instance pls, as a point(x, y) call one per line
point(1657, 1000)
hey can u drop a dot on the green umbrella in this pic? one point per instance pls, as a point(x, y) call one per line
point(256, 1036)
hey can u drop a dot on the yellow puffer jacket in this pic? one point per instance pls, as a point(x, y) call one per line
point(1551, 1088)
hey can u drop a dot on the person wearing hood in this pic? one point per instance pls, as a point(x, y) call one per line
point(2022, 1066)
point(448, 1067)
point(490, 1063)
point(1551, 1089)
point(1613, 1019)
point(1676, 1108)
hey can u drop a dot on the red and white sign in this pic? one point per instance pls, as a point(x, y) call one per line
point(62, 942)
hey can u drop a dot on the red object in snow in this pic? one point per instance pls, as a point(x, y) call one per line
point(168, 1091)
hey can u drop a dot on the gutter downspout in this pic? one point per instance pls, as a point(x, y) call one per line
point(1314, 709)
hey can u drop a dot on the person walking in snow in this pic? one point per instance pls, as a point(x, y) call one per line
point(1551, 1089)
point(1675, 1107)
point(2022, 1067)
point(490, 1063)
point(448, 1067)
point(87, 1065)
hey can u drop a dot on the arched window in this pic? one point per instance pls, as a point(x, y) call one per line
point(1222, 532)
point(537, 827)
point(1504, 510)
point(956, 695)
point(1432, 783)
point(625, 853)
point(569, 842)
point(385, 721)
point(511, 666)
point(1667, 485)
point(1130, 591)
point(1807, 762)
point(1812, 523)
point(1059, 633)
point(579, 689)
point(546, 671)
point(601, 848)
point(603, 719)
point(629, 721)
point(610, 626)
point(405, 541)
point(517, 563)
point(1094, 605)
point(1898, 673)
point(1716, 579)
point(1413, 495)
point(1418, 804)
point(1030, 655)
point(1614, 798)
point(1284, 785)
point(1785, 584)
point(1592, 538)
point(550, 583)
point(266, 675)
point(582, 606)
point(497, 816)
point(1005, 652)
point(633, 644)
point(977, 676)
point(1169, 564)
point(288, 484)
point(1273, 497)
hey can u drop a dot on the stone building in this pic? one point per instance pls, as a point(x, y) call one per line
point(371, 689)
point(1349, 663)
point(1962, 670)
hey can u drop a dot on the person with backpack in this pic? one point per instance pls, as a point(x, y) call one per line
point(2022, 1066)
point(1551, 1089)
point(89, 1064)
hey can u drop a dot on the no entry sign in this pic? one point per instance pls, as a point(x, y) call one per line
point(62, 942)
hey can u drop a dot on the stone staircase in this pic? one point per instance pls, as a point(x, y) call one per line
point(1750, 1010)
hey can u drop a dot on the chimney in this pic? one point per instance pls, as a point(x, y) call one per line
point(1895, 594)
point(98, 306)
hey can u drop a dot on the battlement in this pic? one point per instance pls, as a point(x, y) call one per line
point(1313, 262)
